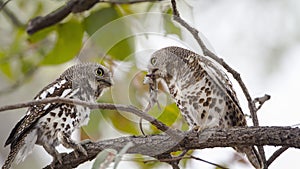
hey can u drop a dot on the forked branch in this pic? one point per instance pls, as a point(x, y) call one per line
point(235, 74)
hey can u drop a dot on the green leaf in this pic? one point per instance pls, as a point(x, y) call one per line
point(170, 114)
point(169, 25)
point(68, 44)
point(15, 48)
point(110, 33)
point(92, 128)
point(5, 66)
point(102, 158)
point(40, 35)
point(26, 66)
point(122, 123)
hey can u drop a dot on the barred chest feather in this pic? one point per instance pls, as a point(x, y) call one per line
point(201, 90)
point(201, 100)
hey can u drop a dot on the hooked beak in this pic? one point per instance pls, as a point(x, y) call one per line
point(106, 82)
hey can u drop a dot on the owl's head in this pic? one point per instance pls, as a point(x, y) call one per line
point(91, 76)
point(166, 63)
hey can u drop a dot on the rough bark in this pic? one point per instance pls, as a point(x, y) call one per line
point(155, 145)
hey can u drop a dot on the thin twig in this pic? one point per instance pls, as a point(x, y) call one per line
point(199, 159)
point(161, 126)
point(10, 14)
point(261, 100)
point(207, 52)
point(72, 6)
point(276, 154)
point(186, 157)
point(3, 4)
point(166, 157)
point(235, 74)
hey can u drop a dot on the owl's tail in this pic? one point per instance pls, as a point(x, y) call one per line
point(21, 149)
point(12, 154)
point(252, 155)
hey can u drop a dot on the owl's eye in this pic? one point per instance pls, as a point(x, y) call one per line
point(153, 61)
point(99, 71)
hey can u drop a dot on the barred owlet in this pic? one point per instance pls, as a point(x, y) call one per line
point(52, 124)
point(202, 92)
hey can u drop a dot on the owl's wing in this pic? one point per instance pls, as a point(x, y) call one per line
point(220, 78)
point(59, 88)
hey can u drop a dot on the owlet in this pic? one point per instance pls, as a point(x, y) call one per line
point(52, 124)
point(202, 92)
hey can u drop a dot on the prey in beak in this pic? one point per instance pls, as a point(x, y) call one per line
point(151, 80)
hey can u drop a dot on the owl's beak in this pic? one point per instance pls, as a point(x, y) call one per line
point(107, 82)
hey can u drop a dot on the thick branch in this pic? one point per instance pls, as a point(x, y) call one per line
point(158, 144)
point(73, 6)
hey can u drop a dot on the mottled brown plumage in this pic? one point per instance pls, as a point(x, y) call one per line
point(202, 92)
point(52, 124)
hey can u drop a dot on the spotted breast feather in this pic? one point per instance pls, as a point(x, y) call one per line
point(201, 90)
point(52, 124)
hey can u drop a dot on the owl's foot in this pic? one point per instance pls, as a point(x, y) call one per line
point(54, 153)
point(58, 158)
point(69, 143)
point(79, 149)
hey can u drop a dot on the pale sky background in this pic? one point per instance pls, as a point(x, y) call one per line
point(259, 39)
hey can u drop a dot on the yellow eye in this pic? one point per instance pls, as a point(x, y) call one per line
point(153, 61)
point(99, 71)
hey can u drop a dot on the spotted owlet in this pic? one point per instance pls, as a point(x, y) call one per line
point(52, 124)
point(202, 92)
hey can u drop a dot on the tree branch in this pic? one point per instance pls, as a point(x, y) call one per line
point(235, 74)
point(261, 100)
point(176, 140)
point(176, 134)
point(207, 52)
point(154, 145)
point(10, 14)
point(72, 6)
point(3, 4)
point(276, 154)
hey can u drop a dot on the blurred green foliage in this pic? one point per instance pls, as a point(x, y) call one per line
point(67, 45)
point(21, 55)
point(114, 40)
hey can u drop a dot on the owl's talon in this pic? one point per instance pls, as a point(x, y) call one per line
point(81, 150)
point(59, 158)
